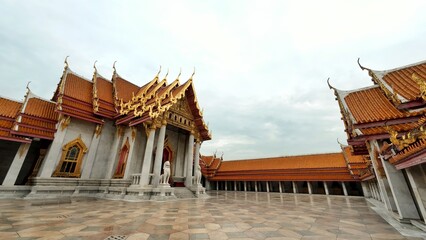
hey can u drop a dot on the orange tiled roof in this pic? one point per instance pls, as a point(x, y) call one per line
point(314, 167)
point(38, 118)
point(327, 160)
point(9, 108)
point(78, 88)
point(74, 96)
point(125, 89)
point(105, 99)
point(400, 79)
point(371, 105)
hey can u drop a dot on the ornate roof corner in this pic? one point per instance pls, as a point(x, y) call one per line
point(362, 67)
point(331, 87)
point(422, 85)
point(95, 98)
point(66, 62)
point(193, 73)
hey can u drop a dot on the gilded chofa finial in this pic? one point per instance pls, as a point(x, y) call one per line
point(362, 68)
point(159, 71)
point(328, 83)
point(113, 67)
point(66, 62)
point(94, 66)
point(180, 72)
point(167, 74)
point(28, 85)
point(193, 73)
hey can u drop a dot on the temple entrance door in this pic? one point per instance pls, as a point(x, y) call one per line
point(168, 156)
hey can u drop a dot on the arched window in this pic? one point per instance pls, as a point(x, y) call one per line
point(72, 156)
point(121, 166)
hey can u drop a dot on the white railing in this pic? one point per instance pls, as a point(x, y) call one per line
point(136, 179)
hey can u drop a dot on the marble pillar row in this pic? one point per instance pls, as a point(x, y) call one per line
point(159, 155)
point(147, 159)
point(345, 191)
point(401, 192)
point(309, 187)
point(416, 176)
point(295, 190)
point(326, 188)
point(15, 167)
point(190, 161)
point(365, 189)
point(197, 158)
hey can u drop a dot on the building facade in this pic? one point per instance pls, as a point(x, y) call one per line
point(102, 138)
point(386, 122)
point(329, 174)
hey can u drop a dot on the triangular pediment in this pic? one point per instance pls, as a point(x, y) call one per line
point(180, 115)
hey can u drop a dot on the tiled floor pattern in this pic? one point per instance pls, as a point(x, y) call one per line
point(226, 215)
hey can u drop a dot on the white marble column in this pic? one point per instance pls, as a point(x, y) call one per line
point(280, 186)
point(93, 149)
point(53, 154)
point(217, 186)
point(309, 187)
point(147, 159)
point(365, 189)
point(255, 186)
point(15, 167)
point(416, 176)
point(267, 186)
point(345, 191)
point(226, 185)
point(295, 190)
point(189, 161)
point(235, 186)
point(114, 154)
point(326, 188)
point(400, 191)
point(159, 156)
point(197, 158)
point(245, 186)
point(382, 182)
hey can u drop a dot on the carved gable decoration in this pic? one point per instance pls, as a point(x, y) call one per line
point(180, 115)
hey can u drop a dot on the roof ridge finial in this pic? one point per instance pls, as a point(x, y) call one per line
point(66, 62)
point(28, 89)
point(341, 144)
point(180, 72)
point(158, 73)
point(362, 67)
point(113, 67)
point(329, 85)
point(94, 66)
point(167, 74)
point(193, 73)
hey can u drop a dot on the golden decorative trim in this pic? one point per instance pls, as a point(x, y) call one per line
point(390, 95)
point(120, 131)
point(65, 121)
point(61, 171)
point(422, 85)
point(134, 131)
point(98, 129)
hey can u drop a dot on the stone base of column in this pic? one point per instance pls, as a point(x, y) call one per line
point(163, 192)
point(10, 192)
point(198, 190)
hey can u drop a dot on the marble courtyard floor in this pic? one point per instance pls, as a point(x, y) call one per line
point(226, 215)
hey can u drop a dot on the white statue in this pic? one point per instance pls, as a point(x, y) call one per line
point(197, 175)
point(164, 178)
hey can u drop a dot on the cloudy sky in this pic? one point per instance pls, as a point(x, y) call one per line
point(261, 66)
